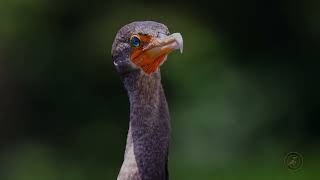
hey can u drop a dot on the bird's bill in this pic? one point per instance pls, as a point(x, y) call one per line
point(150, 57)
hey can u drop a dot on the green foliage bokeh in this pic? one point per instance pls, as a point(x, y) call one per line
point(242, 95)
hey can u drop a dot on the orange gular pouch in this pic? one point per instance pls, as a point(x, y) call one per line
point(145, 55)
point(147, 63)
point(149, 52)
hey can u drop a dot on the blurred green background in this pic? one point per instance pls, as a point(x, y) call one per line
point(244, 93)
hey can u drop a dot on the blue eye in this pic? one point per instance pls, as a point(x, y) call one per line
point(135, 41)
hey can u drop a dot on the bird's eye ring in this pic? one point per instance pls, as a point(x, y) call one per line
point(135, 41)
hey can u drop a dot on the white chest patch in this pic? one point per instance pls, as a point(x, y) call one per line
point(129, 169)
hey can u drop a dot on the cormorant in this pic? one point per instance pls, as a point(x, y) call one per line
point(138, 51)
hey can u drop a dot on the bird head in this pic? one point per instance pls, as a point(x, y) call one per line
point(143, 45)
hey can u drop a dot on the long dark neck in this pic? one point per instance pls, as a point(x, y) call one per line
point(149, 130)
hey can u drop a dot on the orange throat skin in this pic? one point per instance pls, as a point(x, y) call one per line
point(152, 52)
point(147, 63)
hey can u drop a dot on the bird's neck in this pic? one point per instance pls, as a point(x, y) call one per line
point(149, 131)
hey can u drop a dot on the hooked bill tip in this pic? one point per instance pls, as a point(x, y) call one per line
point(179, 40)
